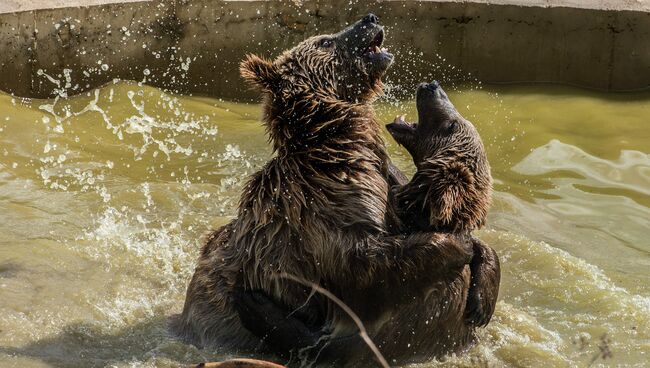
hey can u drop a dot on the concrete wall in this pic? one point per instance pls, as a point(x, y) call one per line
point(153, 40)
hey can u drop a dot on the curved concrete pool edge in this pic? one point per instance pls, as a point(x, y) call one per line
point(194, 46)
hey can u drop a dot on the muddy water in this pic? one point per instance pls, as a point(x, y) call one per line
point(103, 197)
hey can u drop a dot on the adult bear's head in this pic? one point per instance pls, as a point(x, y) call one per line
point(453, 181)
point(346, 66)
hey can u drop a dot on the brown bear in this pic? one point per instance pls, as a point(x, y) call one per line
point(449, 192)
point(451, 189)
point(316, 210)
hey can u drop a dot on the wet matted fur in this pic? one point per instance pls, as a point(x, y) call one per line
point(451, 190)
point(316, 211)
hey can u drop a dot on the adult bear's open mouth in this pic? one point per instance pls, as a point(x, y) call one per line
point(363, 58)
point(374, 49)
point(365, 40)
point(374, 52)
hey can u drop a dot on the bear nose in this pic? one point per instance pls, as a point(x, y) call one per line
point(370, 18)
point(434, 88)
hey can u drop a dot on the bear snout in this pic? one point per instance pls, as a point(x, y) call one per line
point(432, 89)
point(370, 18)
point(433, 85)
point(433, 104)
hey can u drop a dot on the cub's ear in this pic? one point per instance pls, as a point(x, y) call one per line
point(260, 72)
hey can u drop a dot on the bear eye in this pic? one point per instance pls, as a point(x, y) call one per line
point(326, 43)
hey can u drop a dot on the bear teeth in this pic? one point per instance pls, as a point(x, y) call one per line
point(376, 50)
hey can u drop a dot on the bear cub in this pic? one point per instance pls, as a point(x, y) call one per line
point(451, 189)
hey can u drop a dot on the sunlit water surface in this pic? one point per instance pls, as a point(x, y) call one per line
point(104, 197)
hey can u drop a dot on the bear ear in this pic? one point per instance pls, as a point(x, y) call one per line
point(260, 72)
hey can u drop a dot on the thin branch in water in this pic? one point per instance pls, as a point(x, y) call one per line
point(362, 329)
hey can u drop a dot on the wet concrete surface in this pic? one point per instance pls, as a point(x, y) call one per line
point(194, 46)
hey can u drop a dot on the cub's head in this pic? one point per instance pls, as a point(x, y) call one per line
point(452, 184)
point(346, 66)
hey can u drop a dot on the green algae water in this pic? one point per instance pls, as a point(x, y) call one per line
point(104, 197)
